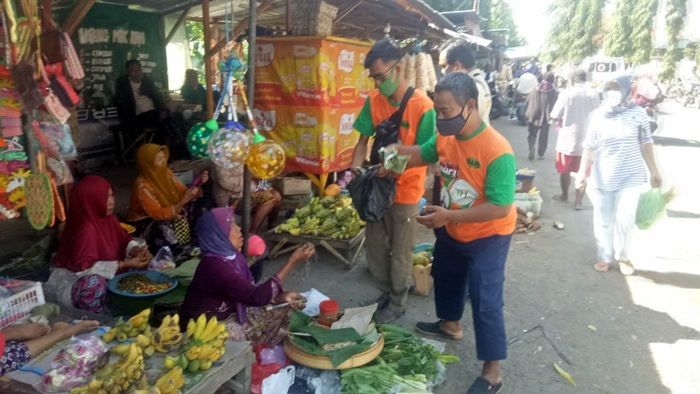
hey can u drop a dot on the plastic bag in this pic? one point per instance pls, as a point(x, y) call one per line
point(651, 207)
point(273, 355)
point(163, 260)
point(315, 381)
point(280, 382)
point(372, 195)
point(75, 364)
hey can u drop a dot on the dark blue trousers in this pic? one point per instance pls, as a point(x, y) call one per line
point(476, 268)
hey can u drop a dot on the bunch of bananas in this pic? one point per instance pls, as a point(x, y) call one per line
point(332, 217)
point(171, 381)
point(136, 325)
point(205, 345)
point(120, 376)
point(168, 335)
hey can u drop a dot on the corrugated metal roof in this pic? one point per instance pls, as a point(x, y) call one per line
point(356, 18)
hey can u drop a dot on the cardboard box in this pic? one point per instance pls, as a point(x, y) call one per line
point(290, 186)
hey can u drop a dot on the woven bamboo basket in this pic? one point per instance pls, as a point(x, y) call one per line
point(322, 362)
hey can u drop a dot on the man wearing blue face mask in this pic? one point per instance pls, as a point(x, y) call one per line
point(474, 224)
point(390, 240)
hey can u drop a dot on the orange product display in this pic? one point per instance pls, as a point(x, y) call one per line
point(308, 93)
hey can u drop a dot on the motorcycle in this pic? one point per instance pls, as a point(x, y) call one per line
point(512, 103)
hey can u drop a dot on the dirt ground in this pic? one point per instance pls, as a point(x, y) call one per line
point(613, 334)
point(639, 334)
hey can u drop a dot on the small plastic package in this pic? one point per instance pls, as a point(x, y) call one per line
point(75, 364)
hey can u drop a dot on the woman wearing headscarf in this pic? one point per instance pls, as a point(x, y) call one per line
point(223, 285)
point(539, 105)
point(159, 198)
point(93, 247)
point(619, 150)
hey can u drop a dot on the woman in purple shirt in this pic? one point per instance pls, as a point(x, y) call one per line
point(224, 287)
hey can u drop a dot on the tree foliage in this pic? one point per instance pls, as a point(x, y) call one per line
point(501, 17)
point(676, 12)
point(641, 32)
point(575, 28)
point(617, 43)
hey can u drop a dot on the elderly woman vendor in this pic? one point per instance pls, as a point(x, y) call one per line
point(93, 248)
point(223, 285)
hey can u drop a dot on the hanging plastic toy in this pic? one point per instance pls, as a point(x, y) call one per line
point(229, 147)
point(199, 136)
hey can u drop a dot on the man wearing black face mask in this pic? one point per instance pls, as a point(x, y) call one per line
point(474, 224)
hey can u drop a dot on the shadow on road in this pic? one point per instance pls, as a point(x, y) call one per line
point(677, 279)
point(670, 141)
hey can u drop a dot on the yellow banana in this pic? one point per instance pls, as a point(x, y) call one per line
point(193, 353)
point(165, 322)
point(134, 353)
point(95, 384)
point(204, 365)
point(143, 340)
point(190, 328)
point(109, 335)
point(170, 362)
point(201, 325)
point(176, 319)
point(209, 330)
point(121, 349)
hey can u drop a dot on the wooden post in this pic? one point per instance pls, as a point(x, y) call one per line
point(288, 10)
point(209, 72)
point(251, 100)
point(179, 23)
point(77, 15)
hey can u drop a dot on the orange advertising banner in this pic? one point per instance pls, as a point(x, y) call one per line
point(308, 93)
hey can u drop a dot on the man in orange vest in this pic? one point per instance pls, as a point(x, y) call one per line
point(389, 241)
point(473, 225)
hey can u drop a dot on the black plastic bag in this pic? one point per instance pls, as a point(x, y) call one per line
point(372, 195)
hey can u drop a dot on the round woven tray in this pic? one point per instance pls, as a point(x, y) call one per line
point(322, 362)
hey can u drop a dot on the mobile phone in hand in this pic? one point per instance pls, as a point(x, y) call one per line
point(196, 182)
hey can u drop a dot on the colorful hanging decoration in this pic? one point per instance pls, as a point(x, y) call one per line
point(199, 136)
point(266, 159)
point(229, 147)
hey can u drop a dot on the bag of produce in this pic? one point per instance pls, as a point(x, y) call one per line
point(652, 206)
point(74, 365)
point(372, 195)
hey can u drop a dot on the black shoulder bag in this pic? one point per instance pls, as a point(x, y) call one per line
point(387, 132)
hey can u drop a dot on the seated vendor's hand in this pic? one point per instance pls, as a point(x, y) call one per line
point(291, 297)
point(303, 253)
point(137, 262)
point(434, 217)
point(191, 194)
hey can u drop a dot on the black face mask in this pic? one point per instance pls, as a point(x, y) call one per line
point(453, 125)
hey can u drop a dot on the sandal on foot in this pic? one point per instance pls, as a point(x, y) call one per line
point(483, 386)
point(626, 268)
point(435, 329)
point(559, 197)
point(601, 266)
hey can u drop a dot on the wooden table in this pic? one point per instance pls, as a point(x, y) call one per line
point(345, 250)
point(232, 371)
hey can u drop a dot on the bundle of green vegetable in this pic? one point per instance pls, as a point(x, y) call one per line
point(652, 206)
point(337, 344)
point(406, 361)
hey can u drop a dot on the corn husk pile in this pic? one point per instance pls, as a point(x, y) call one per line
point(526, 223)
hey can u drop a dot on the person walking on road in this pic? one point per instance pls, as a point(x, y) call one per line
point(572, 112)
point(390, 240)
point(539, 105)
point(473, 226)
point(619, 149)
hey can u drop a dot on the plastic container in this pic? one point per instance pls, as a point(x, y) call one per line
point(329, 312)
point(17, 307)
point(529, 202)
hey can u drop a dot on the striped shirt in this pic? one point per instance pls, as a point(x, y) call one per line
point(616, 142)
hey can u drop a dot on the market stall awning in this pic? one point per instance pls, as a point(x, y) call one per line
point(364, 19)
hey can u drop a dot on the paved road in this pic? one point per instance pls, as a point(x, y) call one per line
point(647, 327)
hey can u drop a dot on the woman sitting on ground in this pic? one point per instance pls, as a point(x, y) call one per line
point(159, 198)
point(93, 248)
point(20, 342)
point(223, 285)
